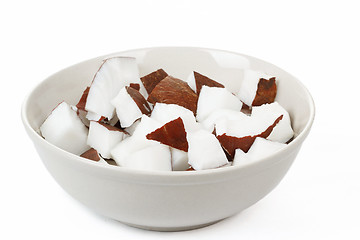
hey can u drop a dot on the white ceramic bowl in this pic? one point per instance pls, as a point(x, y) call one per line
point(167, 201)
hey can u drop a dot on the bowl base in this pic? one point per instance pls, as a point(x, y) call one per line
point(171, 229)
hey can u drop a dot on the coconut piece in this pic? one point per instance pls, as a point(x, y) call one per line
point(282, 132)
point(246, 109)
point(82, 102)
point(91, 116)
point(114, 122)
point(132, 128)
point(241, 127)
point(93, 155)
point(152, 79)
point(205, 151)
point(112, 76)
point(103, 137)
point(179, 160)
point(219, 115)
point(245, 140)
point(260, 148)
point(214, 98)
point(135, 86)
point(64, 129)
point(257, 88)
point(171, 90)
point(266, 91)
point(167, 112)
point(136, 142)
point(84, 115)
point(130, 105)
point(171, 134)
point(155, 158)
point(139, 100)
point(81, 114)
point(191, 81)
point(202, 80)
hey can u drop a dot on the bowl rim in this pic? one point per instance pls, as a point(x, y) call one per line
point(146, 173)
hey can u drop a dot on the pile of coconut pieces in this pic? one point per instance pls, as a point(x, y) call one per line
point(159, 122)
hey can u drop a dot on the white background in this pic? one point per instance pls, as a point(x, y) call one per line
point(317, 41)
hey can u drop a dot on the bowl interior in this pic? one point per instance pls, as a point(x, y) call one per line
point(68, 84)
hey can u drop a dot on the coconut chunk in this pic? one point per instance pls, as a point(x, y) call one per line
point(130, 105)
point(283, 131)
point(93, 155)
point(155, 158)
point(219, 115)
point(91, 116)
point(214, 98)
point(64, 129)
point(146, 125)
point(104, 137)
point(112, 76)
point(261, 148)
point(202, 80)
point(245, 137)
point(167, 112)
point(81, 114)
point(179, 160)
point(241, 127)
point(82, 102)
point(191, 81)
point(257, 88)
point(151, 80)
point(171, 90)
point(135, 86)
point(205, 151)
point(171, 134)
point(136, 142)
point(132, 128)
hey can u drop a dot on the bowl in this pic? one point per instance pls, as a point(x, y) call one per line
point(167, 201)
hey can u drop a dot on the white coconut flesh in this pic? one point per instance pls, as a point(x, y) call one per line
point(154, 158)
point(212, 99)
point(179, 159)
point(260, 149)
point(283, 131)
point(126, 108)
point(249, 85)
point(64, 129)
point(205, 151)
point(136, 142)
point(164, 113)
point(191, 81)
point(102, 139)
point(220, 114)
point(113, 75)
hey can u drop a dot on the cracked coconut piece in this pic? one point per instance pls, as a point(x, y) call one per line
point(266, 92)
point(151, 80)
point(114, 74)
point(257, 88)
point(205, 151)
point(214, 98)
point(171, 134)
point(82, 102)
point(260, 148)
point(171, 90)
point(104, 137)
point(201, 80)
point(91, 154)
point(64, 129)
point(130, 105)
point(231, 143)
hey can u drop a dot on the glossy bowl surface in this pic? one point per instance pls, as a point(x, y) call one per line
point(167, 201)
